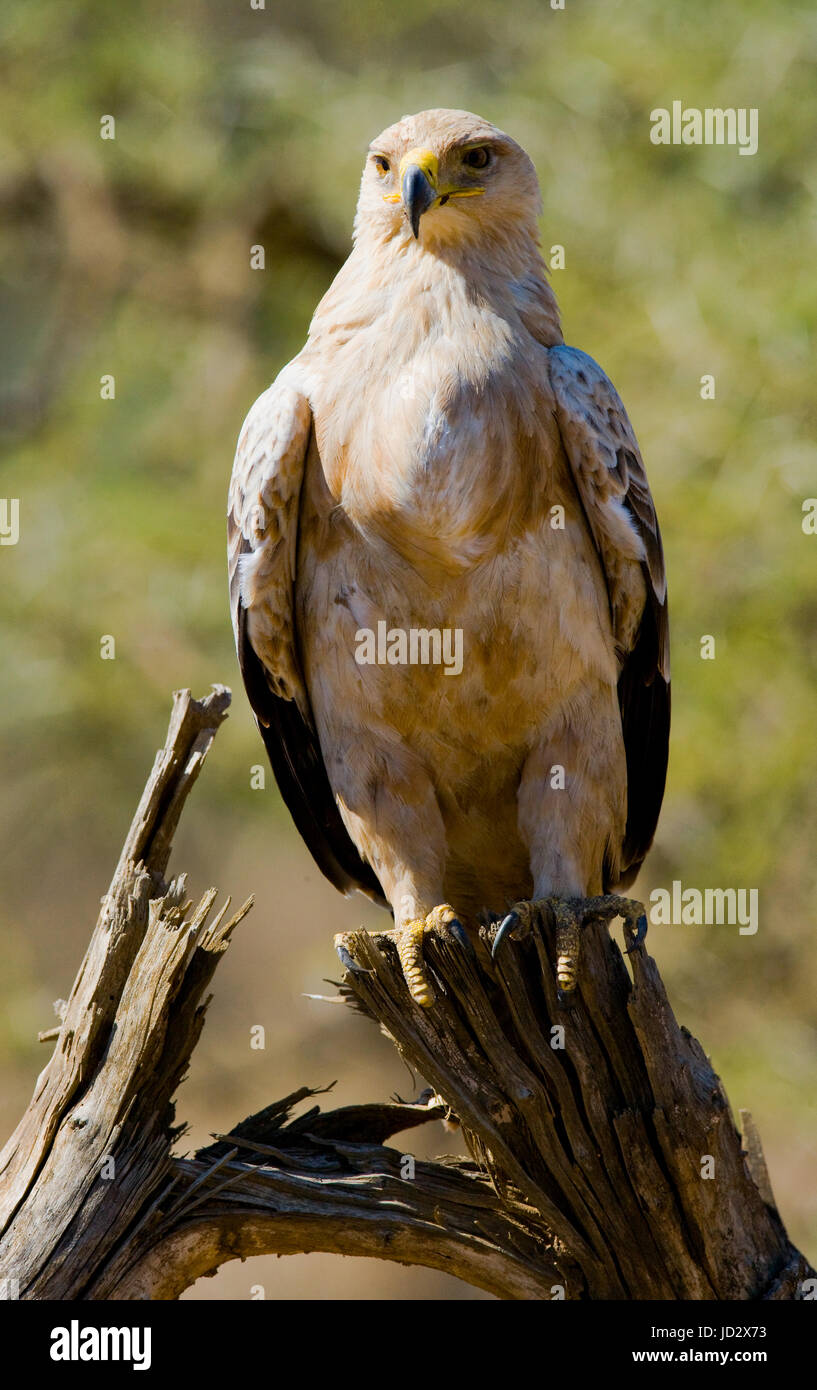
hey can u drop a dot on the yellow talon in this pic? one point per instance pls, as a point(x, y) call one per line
point(408, 939)
point(410, 951)
point(568, 948)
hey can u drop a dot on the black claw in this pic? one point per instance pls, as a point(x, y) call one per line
point(506, 926)
point(349, 964)
point(640, 933)
point(458, 931)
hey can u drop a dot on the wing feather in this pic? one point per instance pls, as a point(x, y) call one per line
point(612, 485)
point(262, 541)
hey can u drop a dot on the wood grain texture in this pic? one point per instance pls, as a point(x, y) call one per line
point(585, 1179)
point(606, 1138)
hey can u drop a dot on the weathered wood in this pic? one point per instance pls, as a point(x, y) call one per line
point(611, 1137)
point(306, 1193)
point(93, 1202)
point(586, 1179)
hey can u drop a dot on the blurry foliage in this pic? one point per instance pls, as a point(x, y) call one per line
point(236, 127)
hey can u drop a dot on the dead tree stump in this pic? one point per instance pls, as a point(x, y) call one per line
point(606, 1164)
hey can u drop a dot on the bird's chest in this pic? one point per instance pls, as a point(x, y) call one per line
point(437, 507)
point(439, 450)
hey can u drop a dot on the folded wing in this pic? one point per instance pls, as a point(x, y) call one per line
point(262, 540)
point(612, 486)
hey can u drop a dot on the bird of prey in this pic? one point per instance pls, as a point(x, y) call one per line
point(437, 461)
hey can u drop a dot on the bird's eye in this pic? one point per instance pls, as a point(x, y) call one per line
point(382, 164)
point(477, 158)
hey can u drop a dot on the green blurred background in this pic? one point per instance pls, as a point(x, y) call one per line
point(237, 127)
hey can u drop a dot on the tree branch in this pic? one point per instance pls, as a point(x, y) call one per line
point(589, 1146)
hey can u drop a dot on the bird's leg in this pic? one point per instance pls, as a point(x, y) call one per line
point(571, 916)
point(408, 938)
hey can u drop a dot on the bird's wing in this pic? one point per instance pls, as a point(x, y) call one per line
point(612, 485)
point(262, 539)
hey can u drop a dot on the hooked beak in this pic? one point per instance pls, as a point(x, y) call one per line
point(418, 196)
point(418, 185)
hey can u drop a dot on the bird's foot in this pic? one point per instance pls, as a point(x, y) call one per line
point(408, 939)
point(409, 942)
point(571, 916)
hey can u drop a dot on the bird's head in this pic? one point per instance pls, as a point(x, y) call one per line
point(445, 179)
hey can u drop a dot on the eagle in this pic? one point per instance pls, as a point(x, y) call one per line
point(437, 470)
